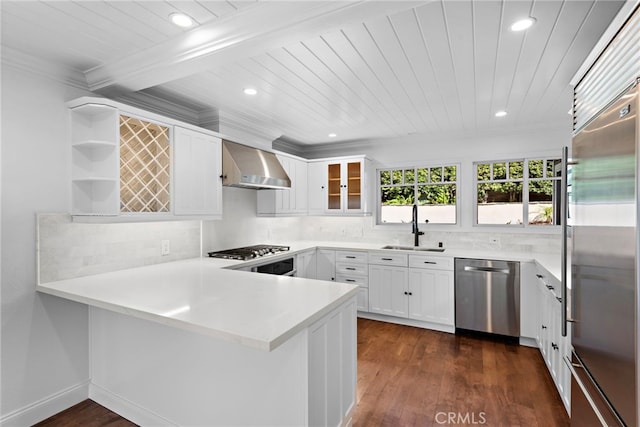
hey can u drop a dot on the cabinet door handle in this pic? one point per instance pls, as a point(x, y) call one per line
point(539, 276)
point(554, 346)
point(559, 300)
point(406, 293)
point(410, 293)
point(544, 327)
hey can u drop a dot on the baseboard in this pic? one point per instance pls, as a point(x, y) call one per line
point(529, 342)
point(407, 322)
point(127, 409)
point(44, 408)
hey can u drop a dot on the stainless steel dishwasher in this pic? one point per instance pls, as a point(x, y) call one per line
point(487, 294)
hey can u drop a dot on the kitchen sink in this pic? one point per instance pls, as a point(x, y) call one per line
point(412, 248)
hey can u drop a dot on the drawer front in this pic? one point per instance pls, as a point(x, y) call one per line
point(549, 281)
point(350, 269)
point(353, 280)
point(432, 262)
point(351, 257)
point(388, 259)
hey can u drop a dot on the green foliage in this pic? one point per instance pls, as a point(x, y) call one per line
point(436, 186)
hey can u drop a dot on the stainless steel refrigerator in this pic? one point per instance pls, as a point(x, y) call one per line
point(603, 303)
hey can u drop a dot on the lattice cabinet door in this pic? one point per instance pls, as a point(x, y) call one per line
point(145, 166)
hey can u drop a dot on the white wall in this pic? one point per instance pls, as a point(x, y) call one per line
point(44, 339)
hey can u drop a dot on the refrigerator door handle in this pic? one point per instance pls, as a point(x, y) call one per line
point(564, 207)
point(572, 367)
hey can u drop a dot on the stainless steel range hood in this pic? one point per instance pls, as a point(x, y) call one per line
point(248, 167)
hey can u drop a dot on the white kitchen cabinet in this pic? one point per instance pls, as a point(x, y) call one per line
point(286, 202)
point(326, 264)
point(197, 170)
point(431, 295)
point(388, 288)
point(316, 187)
point(339, 186)
point(553, 346)
point(351, 267)
point(125, 165)
point(529, 305)
point(332, 368)
point(306, 264)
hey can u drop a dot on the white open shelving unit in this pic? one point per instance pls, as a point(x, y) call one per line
point(95, 174)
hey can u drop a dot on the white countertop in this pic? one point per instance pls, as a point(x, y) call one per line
point(257, 310)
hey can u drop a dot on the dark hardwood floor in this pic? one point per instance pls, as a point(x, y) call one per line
point(415, 377)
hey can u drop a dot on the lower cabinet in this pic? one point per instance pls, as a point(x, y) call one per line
point(553, 346)
point(306, 264)
point(423, 291)
point(388, 290)
point(326, 264)
point(351, 267)
point(431, 295)
point(332, 368)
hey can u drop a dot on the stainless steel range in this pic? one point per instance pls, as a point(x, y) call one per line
point(249, 252)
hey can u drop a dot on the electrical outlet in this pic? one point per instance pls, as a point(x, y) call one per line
point(165, 248)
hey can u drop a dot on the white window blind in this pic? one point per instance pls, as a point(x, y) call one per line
point(615, 69)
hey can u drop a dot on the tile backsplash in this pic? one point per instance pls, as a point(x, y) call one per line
point(68, 249)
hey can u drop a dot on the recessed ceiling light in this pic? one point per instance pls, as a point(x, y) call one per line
point(250, 91)
point(501, 113)
point(181, 20)
point(332, 135)
point(522, 24)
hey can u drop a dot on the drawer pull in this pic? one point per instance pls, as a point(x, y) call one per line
point(430, 262)
point(554, 346)
point(539, 276)
point(550, 287)
point(349, 280)
point(387, 259)
point(350, 268)
point(350, 256)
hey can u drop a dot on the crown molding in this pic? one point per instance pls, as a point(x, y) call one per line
point(160, 105)
point(22, 61)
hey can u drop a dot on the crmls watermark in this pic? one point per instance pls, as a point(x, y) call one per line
point(470, 418)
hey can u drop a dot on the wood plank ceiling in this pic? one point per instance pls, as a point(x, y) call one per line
point(358, 69)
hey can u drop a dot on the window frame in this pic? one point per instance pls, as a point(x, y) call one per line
point(525, 189)
point(415, 185)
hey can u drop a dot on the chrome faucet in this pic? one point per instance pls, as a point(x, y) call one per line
point(417, 233)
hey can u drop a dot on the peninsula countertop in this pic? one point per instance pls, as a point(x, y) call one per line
point(256, 310)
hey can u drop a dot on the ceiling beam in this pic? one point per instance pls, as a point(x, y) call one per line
point(252, 30)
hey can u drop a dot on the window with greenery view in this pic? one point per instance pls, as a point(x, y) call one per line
point(518, 191)
point(432, 188)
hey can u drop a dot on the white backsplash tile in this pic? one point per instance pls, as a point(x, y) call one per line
point(67, 249)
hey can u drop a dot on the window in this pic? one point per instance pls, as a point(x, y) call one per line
point(510, 191)
point(432, 188)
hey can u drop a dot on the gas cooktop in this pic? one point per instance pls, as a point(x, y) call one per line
point(248, 252)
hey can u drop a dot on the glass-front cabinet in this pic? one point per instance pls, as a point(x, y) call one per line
point(345, 186)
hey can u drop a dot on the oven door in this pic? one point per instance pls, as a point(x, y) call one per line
point(283, 267)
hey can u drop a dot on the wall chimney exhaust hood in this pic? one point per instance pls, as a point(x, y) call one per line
point(248, 167)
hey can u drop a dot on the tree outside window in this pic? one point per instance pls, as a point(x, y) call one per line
point(510, 191)
point(433, 189)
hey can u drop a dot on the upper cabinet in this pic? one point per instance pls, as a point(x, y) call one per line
point(287, 202)
point(197, 170)
point(130, 165)
point(339, 186)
